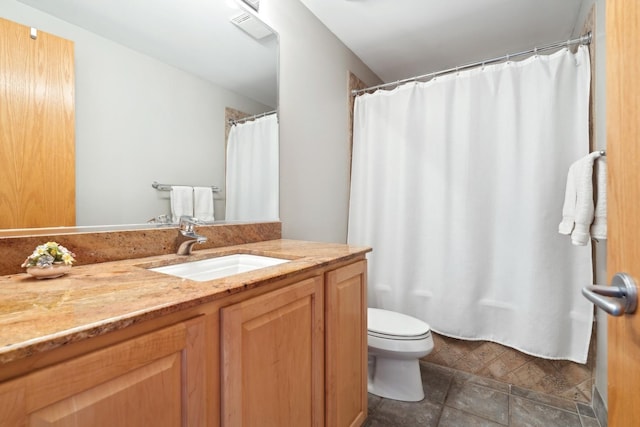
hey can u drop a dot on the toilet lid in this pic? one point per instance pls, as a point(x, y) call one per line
point(389, 323)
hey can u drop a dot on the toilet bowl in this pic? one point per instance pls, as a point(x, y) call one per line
point(395, 343)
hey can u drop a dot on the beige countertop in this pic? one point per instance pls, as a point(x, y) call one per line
point(91, 300)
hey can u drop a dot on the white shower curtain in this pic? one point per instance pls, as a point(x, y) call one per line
point(253, 171)
point(458, 185)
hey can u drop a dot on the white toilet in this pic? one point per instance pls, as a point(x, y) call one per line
point(396, 342)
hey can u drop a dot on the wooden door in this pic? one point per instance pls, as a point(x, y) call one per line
point(346, 345)
point(37, 129)
point(154, 380)
point(623, 157)
point(273, 358)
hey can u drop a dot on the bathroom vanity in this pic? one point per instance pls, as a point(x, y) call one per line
point(118, 344)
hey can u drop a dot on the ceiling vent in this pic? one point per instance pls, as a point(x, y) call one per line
point(254, 4)
point(251, 25)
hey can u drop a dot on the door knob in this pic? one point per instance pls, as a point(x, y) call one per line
point(618, 299)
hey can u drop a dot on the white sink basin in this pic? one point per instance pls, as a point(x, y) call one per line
point(215, 268)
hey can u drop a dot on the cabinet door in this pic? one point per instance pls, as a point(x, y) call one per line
point(346, 345)
point(273, 358)
point(154, 380)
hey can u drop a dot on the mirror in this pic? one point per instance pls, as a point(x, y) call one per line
point(153, 81)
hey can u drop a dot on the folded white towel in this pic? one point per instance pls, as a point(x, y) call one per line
point(203, 203)
point(181, 202)
point(569, 207)
point(578, 210)
point(599, 226)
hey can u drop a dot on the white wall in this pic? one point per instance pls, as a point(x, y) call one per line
point(600, 134)
point(138, 120)
point(314, 134)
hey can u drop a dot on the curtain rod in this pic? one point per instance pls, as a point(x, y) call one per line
point(585, 39)
point(255, 116)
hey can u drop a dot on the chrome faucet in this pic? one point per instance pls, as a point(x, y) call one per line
point(187, 235)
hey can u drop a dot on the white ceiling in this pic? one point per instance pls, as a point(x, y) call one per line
point(195, 36)
point(399, 39)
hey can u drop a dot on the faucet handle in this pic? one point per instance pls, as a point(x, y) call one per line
point(187, 223)
point(187, 236)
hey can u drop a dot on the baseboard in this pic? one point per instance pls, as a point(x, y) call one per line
point(599, 407)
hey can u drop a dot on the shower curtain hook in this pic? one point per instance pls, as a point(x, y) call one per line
point(535, 52)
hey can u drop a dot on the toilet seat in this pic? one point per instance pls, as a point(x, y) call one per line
point(395, 326)
point(398, 337)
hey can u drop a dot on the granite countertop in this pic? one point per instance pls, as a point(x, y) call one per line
point(91, 300)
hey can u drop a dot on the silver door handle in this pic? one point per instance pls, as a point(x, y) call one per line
point(618, 299)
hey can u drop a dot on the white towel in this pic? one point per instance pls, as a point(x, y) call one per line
point(569, 207)
point(599, 226)
point(203, 203)
point(578, 210)
point(181, 202)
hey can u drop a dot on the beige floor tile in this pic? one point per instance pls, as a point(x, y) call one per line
point(496, 369)
point(573, 372)
point(488, 351)
point(513, 359)
point(529, 376)
point(471, 363)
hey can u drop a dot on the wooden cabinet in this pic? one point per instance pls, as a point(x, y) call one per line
point(273, 358)
point(291, 353)
point(275, 368)
point(155, 379)
point(346, 345)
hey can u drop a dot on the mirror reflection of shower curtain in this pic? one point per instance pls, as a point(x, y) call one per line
point(253, 171)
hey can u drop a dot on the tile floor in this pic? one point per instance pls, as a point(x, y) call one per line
point(560, 378)
point(457, 399)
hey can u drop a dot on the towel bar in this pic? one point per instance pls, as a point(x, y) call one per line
point(167, 187)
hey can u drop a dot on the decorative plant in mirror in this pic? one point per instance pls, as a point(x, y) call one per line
point(49, 260)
